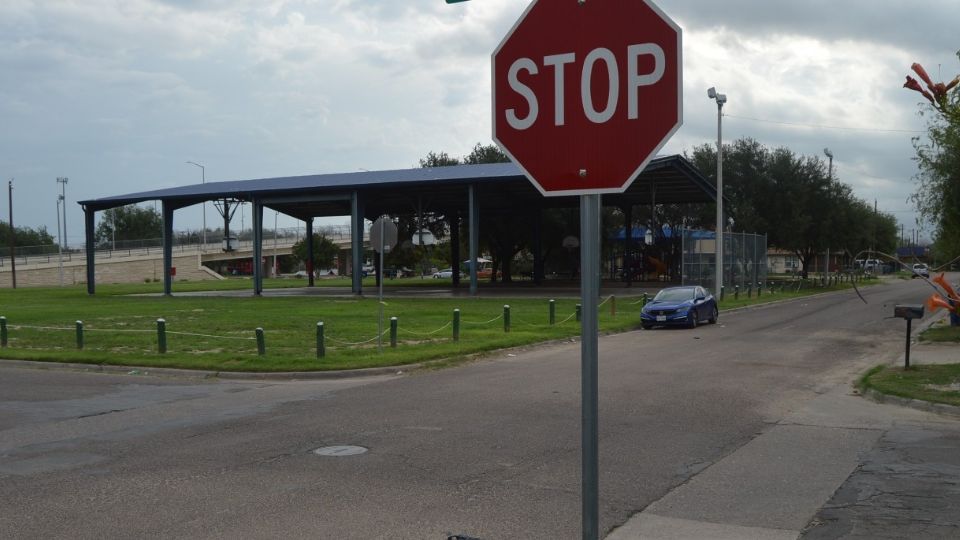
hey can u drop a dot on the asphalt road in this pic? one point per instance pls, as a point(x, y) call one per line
point(490, 449)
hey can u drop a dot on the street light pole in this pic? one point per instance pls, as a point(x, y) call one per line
point(13, 243)
point(62, 180)
point(59, 240)
point(720, 99)
point(203, 179)
point(829, 154)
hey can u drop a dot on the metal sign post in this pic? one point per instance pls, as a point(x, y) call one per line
point(383, 236)
point(550, 119)
point(589, 354)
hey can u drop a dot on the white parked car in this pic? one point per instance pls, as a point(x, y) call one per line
point(920, 269)
point(446, 273)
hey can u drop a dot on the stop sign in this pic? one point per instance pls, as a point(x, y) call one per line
point(585, 92)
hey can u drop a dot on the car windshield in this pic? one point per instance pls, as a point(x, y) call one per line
point(674, 295)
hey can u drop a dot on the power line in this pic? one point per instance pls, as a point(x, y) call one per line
point(821, 126)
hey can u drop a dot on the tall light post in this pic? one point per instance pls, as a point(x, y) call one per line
point(720, 99)
point(62, 180)
point(203, 179)
point(13, 239)
point(829, 154)
point(59, 239)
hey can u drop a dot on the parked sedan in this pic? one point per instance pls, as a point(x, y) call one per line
point(446, 273)
point(921, 269)
point(687, 306)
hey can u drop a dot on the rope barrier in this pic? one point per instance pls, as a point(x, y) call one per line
point(211, 336)
point(495, 319)
point(411, 332)
point(352, 344)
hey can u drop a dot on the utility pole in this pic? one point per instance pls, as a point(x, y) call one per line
point(13, 244)
point(59, 240)
point(62, 180)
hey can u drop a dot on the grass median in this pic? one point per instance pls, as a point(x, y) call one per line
point(936, 383)
point(217, 333)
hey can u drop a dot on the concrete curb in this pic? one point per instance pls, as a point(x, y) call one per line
point(920, 405)
point(224, 375)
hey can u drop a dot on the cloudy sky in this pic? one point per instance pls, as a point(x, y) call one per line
point(118, 94)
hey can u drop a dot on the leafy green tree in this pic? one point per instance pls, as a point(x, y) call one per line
point(490, 153)
point(324, 251)
point(794, 200)
point(938, 159)
point(24, 236)
point(131, 222)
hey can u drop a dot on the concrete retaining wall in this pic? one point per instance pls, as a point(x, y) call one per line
point(126, 270)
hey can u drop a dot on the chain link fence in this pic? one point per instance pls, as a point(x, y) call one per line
point(744, 259)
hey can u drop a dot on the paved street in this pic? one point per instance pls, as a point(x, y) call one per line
point(742, 429)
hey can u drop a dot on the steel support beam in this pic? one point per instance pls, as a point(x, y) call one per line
point(474, 219)
point(168, 209)
point(356, 240)
point(88, 219)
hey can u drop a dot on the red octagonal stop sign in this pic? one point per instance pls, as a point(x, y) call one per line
point(585, 92)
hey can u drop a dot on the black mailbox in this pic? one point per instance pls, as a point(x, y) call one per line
point(908, 311)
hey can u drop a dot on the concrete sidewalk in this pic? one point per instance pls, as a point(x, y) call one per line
point(837, 466)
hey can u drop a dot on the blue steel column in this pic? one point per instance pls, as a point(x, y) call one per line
point(474, 219)
point(356, 240)
point(628, 243)
point(257, 247)
point(88, 215)
point(455, 246)
point(310, 268)
point(167, 248)
point(538, 246)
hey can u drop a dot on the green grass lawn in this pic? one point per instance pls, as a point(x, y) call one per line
point(941, 334)
point(937, 383)
point(218, 333)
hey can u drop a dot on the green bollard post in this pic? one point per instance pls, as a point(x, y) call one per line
point(750, 290)
point(161, 336)
point(393, 332)
point(759, 289)
point(736, 292)
point(79, 334)
point(553, 312)
point(321, 346)
point(506, 318)
point(3, 331)
point(579, 312)
point(722, 291)
point(456, 325)
point(261, 342)
point(643, 300)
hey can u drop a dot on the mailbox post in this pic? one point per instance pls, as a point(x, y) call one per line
point(908, 312)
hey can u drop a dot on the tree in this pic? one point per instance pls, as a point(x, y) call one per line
point(490, 153)
point(130, 222)
point(324, 251)
point(938, 159)
point(25, 236)
point(795, 201)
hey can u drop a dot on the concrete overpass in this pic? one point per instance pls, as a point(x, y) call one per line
point(139, 264)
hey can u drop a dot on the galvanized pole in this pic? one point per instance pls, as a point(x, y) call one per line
point(380, 317)
point(589, 352)
point(59, 240)
point(62, 180)
point(13, 234)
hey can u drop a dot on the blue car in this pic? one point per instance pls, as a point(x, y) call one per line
point(686, 306)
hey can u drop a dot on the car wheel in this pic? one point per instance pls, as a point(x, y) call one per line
point(715, 315)
point(692, 318)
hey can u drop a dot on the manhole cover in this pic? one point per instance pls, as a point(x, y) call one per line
point(340, 451)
